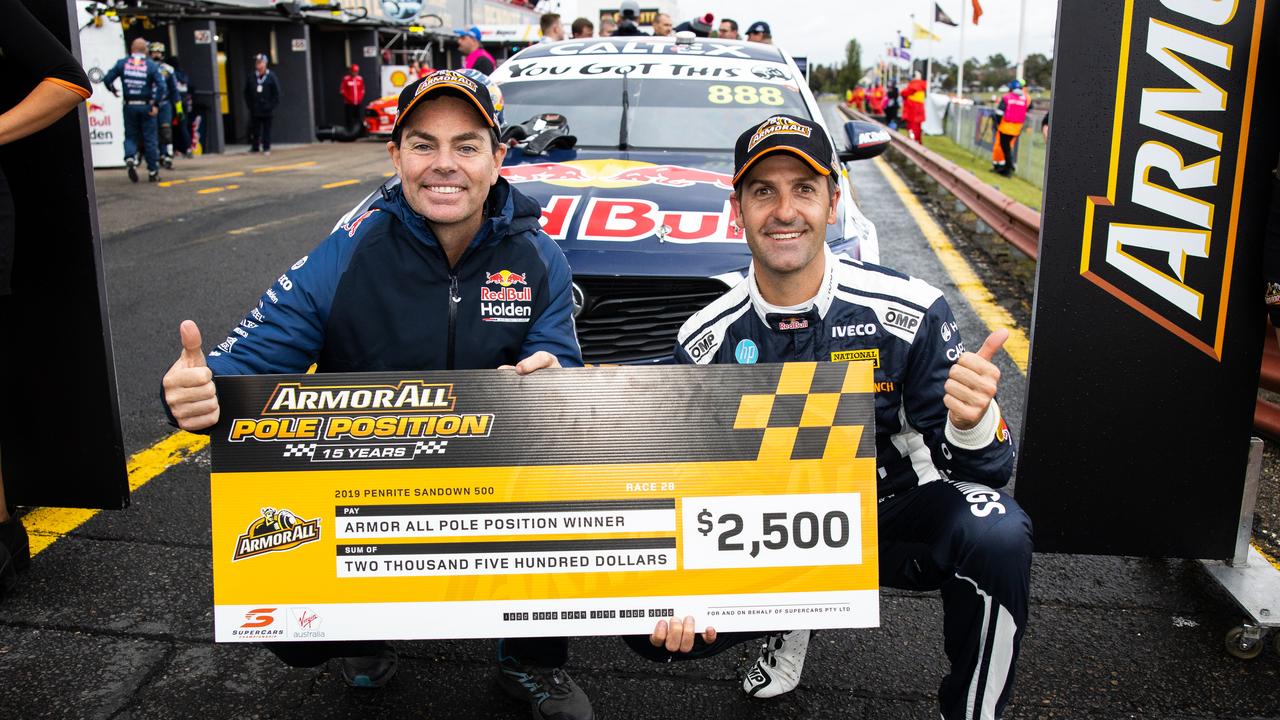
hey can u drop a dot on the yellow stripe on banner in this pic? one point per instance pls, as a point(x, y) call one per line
point(46, 525)
point(340, 183)
point(966, 280)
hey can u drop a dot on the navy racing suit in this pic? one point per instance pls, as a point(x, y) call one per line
point(144, 88)
point(942, 523)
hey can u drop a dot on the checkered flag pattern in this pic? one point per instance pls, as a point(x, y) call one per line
point(810, 415)
point(430, 447)
point(299, 450)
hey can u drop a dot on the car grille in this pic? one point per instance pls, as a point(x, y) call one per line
point(631, 320)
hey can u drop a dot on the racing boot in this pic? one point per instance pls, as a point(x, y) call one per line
point(166, 161)
point(153, 176)
point(550, 692)
point(778, 668)
point(373, 671)
point(131, 164)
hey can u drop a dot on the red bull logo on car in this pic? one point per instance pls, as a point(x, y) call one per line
point(613, 173)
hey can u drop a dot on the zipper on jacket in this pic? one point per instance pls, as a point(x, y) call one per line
point(454, 299)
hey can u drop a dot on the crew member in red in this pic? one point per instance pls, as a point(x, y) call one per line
point(859, 99)
point(913, 106)
point(352, 96)
point(1010, 115)
point(876, 99)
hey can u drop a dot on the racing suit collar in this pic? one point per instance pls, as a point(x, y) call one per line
point(814, 308)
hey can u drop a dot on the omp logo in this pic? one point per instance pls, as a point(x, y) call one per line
point(275, 531)
point(901, 319)
point(259, 623)
point(702, 345)
point(1163, 238)
point(293, 398)
point(871, 355)
point(848, 331)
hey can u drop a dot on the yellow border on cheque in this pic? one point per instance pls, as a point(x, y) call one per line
point(967, 282)
point(46, 525)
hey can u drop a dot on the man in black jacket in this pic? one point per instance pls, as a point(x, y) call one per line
point(262, 95)
point(408, 284)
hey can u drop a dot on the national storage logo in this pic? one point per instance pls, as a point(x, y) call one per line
point(1163, 238)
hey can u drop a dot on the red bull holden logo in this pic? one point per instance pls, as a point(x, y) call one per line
point(505, 278)
point(508, 303)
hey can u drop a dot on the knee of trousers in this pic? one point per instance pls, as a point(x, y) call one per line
point(995, 537)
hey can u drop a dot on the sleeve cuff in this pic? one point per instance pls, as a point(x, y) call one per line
point(977, 437)
point(84, 93)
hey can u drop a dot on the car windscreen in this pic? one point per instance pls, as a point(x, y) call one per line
point(665, 113)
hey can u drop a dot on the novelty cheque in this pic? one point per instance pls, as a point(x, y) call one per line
point(593, 501)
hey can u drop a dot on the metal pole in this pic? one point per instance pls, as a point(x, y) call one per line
point(1022, 32)
point(928, 63)
point(960, 71)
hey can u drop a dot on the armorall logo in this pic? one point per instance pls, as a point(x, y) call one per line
point(1162, 240)
point(275, 531)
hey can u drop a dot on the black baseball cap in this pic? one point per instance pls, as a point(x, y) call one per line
point(446, 81)
point(759, 26)
point(783, 133)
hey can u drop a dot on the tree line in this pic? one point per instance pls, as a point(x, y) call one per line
point(996, 71)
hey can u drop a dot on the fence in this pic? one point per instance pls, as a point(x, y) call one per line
point(976, 133)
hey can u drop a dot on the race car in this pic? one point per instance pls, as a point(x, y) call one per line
point(628, 145)
point(380, 115)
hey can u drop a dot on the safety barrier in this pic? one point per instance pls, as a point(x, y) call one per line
point(1011, 220)
point(1020, 226)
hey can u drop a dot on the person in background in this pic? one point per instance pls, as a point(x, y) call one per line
point(352, 96)
point(858, 98)
point(1009, 115)
point(891, 106)
point(474, 56)
point(49, 83)
point(913, 106)
point(168, 105)
point(142, 86)
point(700, 26)
point(582, 28)
point(608, 27)
point(760, 32)
point(662, 25)
point(552, 30)
point(729, 29)
point(629, 19)
point(184, 108)
point(876, 99)
point(262, 95)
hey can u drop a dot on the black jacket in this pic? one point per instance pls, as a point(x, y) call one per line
point(264, 102)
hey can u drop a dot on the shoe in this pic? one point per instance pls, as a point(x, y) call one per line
point(167, 162)
point(253, 149)
point(266, 152)
point(153, 176)
point(778, 668)
point(132, 168)
point(188, 154)
point(373, 671)
point(550, 692)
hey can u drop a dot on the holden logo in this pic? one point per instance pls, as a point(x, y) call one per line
point(579, 299)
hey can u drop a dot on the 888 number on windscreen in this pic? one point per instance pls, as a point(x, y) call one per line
point(771, 531)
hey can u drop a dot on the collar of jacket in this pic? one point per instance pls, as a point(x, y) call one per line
point(507, 212)
point(815, 308)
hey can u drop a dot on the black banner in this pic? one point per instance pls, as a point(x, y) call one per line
point(1148, 317)
point(60, 441)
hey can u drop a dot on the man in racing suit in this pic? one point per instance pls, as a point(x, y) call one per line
point(941, 445)
point(399, 287)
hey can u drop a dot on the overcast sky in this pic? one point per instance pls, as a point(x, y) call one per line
point(820, 28)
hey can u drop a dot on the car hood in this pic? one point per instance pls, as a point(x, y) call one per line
point(636, 213)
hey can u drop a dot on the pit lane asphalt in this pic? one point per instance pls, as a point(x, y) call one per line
point(114, 620)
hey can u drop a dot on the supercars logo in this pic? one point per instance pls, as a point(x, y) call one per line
point(776, 125)
point(259, 623)
point(275, 531)
point(505, 278)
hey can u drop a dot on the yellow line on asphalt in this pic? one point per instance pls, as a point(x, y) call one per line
point(171, 183)
point(388, 174)
point(965, 279)
point(251, 228)
point(218, 189)
point(278, 168)
point(340, 183)
point(46, 525)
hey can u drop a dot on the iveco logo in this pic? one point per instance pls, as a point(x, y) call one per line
point(579, 299)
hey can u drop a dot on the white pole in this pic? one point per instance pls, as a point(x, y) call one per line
point(1022, 32)
point(928, 63)
point(960, 71)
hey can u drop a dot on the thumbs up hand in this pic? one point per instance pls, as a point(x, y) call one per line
point(972, 382)
point(188, 386)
